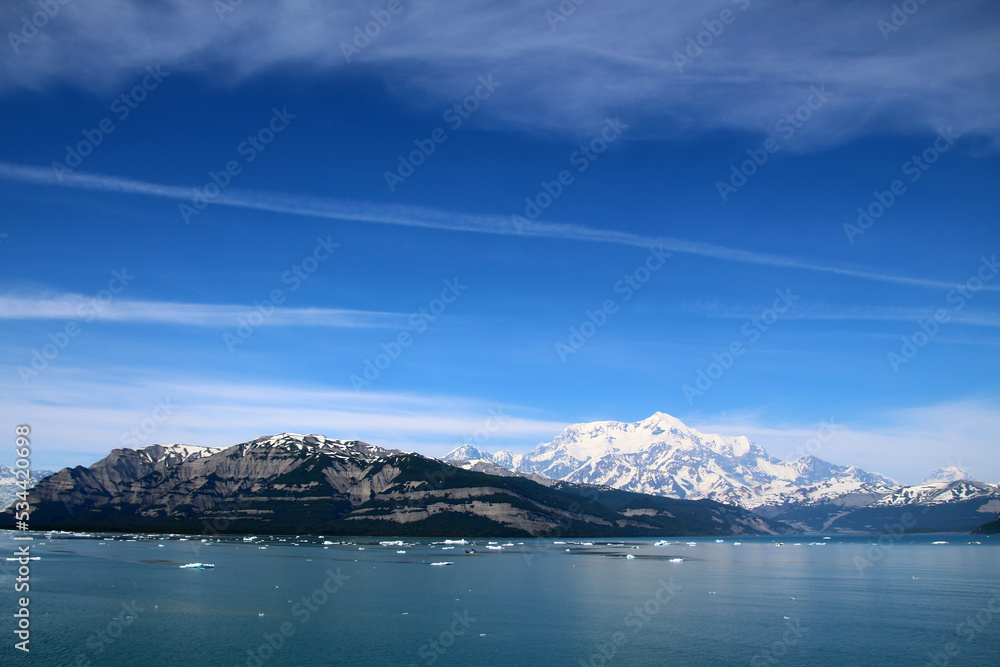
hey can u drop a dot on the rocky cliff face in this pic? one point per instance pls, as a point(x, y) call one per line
point(113, 474)
point(312, 484)
point(166, 480)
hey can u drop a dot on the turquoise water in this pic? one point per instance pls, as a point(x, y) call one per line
point(116, 602)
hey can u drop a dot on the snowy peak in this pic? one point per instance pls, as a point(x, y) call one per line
point(296, 442)
point(596, 439)
point(817, 471)
point(937, 493)
point(948, 474)
point(503, 458)
point(174, 454)
point(467, 453)
point(661, 455)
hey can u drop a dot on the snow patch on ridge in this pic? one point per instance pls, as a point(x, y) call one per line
point(295, 442)
point(176, 453)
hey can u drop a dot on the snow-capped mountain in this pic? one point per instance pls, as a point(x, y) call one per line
point(312, 443)
point(311, 484)
point(503, 458)
point(662, 456)
point(949, 474)
point(9, 475)
point(960, 506)
point(174, 454)
point(936, 493)
point(9, 483)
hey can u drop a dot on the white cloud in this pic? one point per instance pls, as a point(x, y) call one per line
point(606, 59)
point(78, 417)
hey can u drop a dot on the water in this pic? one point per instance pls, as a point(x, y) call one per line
point(98, 602)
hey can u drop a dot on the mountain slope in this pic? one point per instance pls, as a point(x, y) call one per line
point(991, 528)
point(936, 493)
point(959, 506)
point(118, 469)
point(299, 484)
point(662, 456)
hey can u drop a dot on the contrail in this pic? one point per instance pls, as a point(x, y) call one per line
point(432, 218)
point(74, 306)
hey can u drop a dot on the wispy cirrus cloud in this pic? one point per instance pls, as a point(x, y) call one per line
point(74, 306)
point(847, 312)
point(938, 69)
point(432, 218)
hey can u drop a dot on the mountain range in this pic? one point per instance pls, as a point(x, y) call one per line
point(662, 456)
point(311, 484)
point(652, 477)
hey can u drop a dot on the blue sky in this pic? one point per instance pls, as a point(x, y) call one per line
point(611, 222)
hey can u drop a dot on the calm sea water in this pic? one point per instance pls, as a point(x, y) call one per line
point(116, 602)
